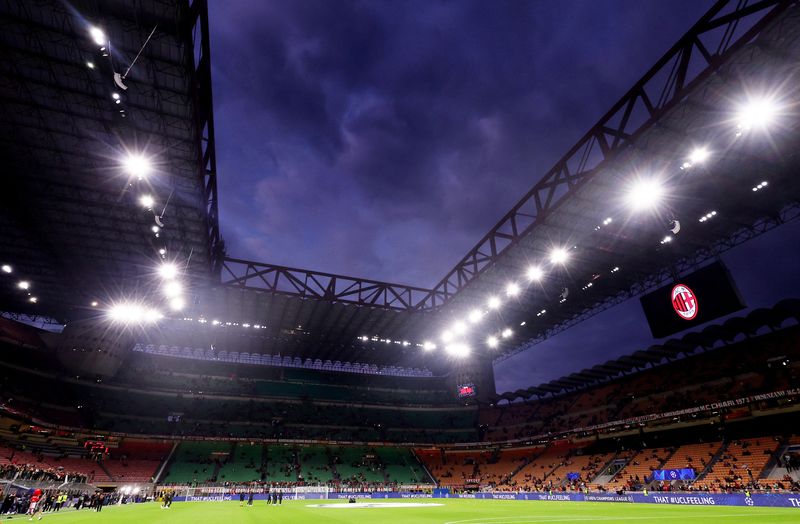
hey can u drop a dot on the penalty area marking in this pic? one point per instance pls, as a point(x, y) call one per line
point(361, 505)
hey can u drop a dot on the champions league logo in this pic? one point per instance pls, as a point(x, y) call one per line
point(684, 302)
point(749, 501)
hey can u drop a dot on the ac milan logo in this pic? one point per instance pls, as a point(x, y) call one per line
point(684, 302)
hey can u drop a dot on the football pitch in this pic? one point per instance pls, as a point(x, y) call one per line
point(429, 511)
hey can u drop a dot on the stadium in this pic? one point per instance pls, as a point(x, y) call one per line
point(154, 372)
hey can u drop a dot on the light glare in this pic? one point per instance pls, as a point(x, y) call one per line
point(6, 268)
point(512, 289)
point(458, 349)
point(645, 194)
point(137, 165)
point(98, 36)
point(507, 333)
point(493, 303)
point(168, 271)
point(147, 201)
point(758, 113)
point(24, 284)
point(172, 289)
point(558, 255)
point(535, 273)
point(475, 316)
point(492, 342)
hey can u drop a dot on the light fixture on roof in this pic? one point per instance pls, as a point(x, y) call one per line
point(168, 271)
point(512, 289)
point(535, 273)
point(24, 284)
point(98, 36)
point(558, 255)
point(94, 303)
point(172, 289)
point(645, 194)
point(475, 316)
point(459, 328)
point(152, 315)
point(428, 345)
point(756, 113)
point(762, 185)
point(6, 268)
point(33, 299)
point(137, 164)
point(492, 342)
point(493, 303)
point(147, 201)
point(90, 65)
point(667, 239)
point(162, 251)
point(115, 96)
point(177, 304)
point(447, 336)
point(699, 155)
point(506, 333)
point(607, 221)
point(457, 349)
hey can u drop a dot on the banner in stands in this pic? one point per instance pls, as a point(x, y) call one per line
point(785, 500)
point(673, 474)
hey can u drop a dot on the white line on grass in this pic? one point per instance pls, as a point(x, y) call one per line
point(560, 518)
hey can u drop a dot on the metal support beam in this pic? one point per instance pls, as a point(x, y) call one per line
point(682, 68)
point(322, 286)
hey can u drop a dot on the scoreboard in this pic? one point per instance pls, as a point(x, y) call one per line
point(697, 298)
point(466, 390)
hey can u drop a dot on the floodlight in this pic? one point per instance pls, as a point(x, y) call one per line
point(33, 299)
point(172, 289)
point(447, 336)
point(177, 303)
point(126, 313)
point(492, 342)
point(168, 271)
point(459, 328)
point(94, 303)
point(535, 273)
point(698, 155)
point(758, 113)
point(6, 268)
point(115, 96)
point(98, 36)
point(475, 316)
point(428, 346)
point(645, 194)
point(512, 289)
point(558, 255)
point(147, 201)
point(506, 333)
point(137, 165)
point(90, 65)
point(152, 315)
point(23, 284)
point(457, 349)
point(493, 303)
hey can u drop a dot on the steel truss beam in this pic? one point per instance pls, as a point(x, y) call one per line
point(322, 286)
point(663, 275)
point(200, 56)
point(685, 65)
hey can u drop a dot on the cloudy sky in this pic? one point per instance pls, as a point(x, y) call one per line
point(382, 139)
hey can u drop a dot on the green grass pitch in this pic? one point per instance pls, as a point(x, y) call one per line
point(449, 512)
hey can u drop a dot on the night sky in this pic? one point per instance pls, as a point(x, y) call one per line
point(383, 139)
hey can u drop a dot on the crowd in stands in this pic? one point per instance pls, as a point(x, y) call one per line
point(734, 371)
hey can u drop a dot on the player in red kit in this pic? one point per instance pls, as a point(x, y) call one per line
point(32, 509)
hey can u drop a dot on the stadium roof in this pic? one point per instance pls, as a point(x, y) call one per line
point(71, 219)
point(81, 234)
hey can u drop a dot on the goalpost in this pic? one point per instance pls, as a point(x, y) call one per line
point(311, 492)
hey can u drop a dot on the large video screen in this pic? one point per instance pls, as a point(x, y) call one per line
point(699, 297)
point(466, 390)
